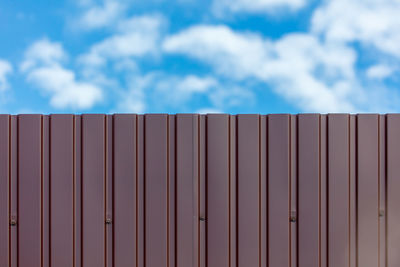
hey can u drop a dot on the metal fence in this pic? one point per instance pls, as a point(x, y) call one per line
point(187, 190)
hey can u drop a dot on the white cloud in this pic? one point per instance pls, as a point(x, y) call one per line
point(43, 67)
point(313, 75)
point(256, 6)
point(180, 91)
point(136, 36)
point(126, 64)
point(43, 52)
point(208, 110)
point(238, 54)
point(225, 97)
point(194, 83)
point(177, 90)
point(98, 16)
point(134, 100)
point(374, 23)
point(66, 91)
point(5, 70)
point(379, 71)
point(190, 84)
point(164, 91)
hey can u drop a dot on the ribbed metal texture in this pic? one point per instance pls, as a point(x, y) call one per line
point(187, 190)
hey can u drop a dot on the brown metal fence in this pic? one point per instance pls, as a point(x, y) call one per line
point(186, 190)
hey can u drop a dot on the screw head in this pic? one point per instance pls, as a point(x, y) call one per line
point(293, 216)
point(381, 213)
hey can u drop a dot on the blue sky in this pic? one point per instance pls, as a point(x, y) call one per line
point(234, 56)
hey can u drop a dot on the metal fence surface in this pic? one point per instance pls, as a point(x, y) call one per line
point(186, 190)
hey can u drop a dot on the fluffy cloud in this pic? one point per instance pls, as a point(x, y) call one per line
point(238, 54)
point(379, 71)
point(66, 91)
point(313, 75)
point(5, 70)
point(181, 93)
point(374, 23)
point(43, 52)
point(176, 90)
point(188, 84)
point(136, 36)
point(100, 16)
point(256, 6)
point(131, 38)
point(43, 67)
point(192, 83)
point(208, 111)
point(133, 99)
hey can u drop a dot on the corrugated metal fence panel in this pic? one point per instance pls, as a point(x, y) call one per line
point(62, 190)
point(30, 189)
point(184, 190)
point(392, 186)
point(218, 191)
point(125, 202)
point(279, 179)
point(368, 190)
point(338, 190)
point(4, 189)
point(309, 191)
